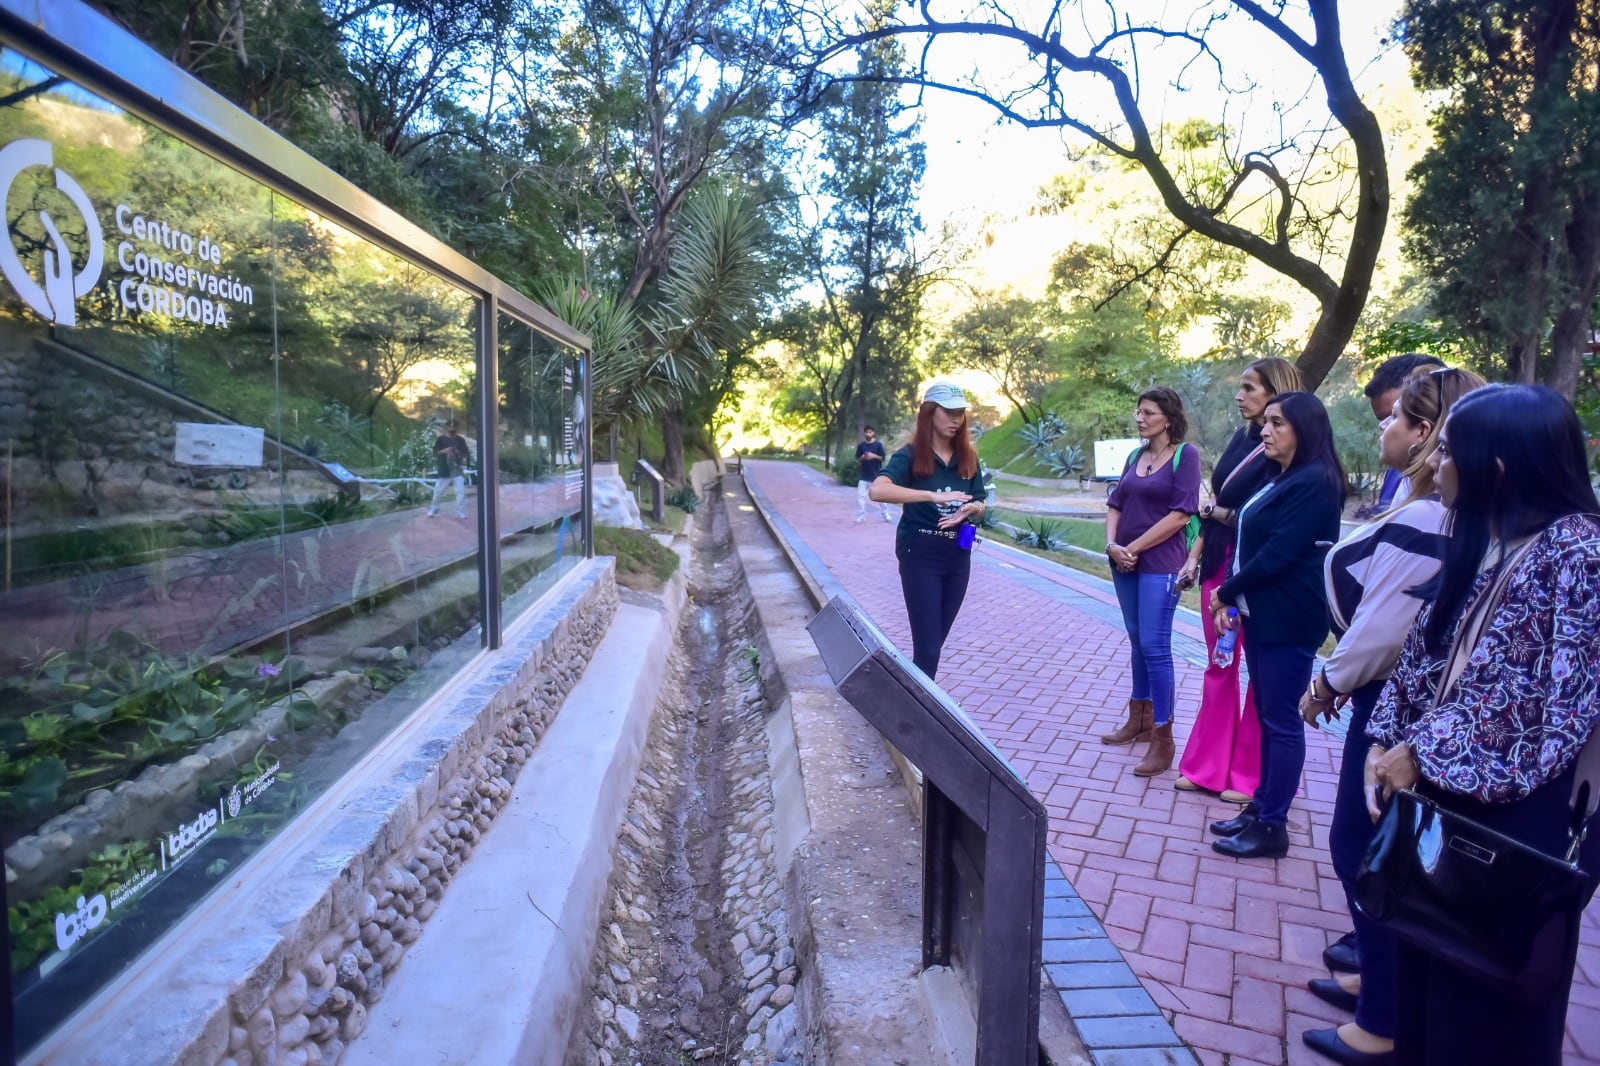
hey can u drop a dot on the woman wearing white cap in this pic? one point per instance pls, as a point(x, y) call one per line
point(938, 480)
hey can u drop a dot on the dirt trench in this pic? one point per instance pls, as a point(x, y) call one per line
point(695, 960)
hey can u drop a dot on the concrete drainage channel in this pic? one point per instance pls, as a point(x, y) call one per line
point(695, 960)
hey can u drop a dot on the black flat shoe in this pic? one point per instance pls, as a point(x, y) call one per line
point(1343, 955)
point(1328, 990)
point(1237, 824)
point(1258, 840)
point(1327, 1042)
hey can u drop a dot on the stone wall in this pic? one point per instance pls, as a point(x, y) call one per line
point(319, 1002)
point(284, 963)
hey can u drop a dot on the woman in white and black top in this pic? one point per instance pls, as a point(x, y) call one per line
point(1376, 581)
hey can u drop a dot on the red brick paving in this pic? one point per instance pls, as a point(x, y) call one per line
point(1224, 947)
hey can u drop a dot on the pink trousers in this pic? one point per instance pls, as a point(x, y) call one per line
point(1224, 748)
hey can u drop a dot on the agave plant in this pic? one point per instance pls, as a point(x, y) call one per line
point(1040, 533)
point(1063, 462)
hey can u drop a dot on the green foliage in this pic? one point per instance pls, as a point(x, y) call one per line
point(1066, 461)
point(523, 462)
point(684, 498)
point(76, 722)
point(848, 471)
point(1507, 197)
point(32, 922)
point(640, 557)
point(1041, 533)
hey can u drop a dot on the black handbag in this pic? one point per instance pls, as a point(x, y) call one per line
point(1475, 898)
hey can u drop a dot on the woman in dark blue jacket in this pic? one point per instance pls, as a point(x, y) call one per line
point(1283, 532)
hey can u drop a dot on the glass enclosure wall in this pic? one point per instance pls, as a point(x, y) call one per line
point(239, 493)
point(541, 462)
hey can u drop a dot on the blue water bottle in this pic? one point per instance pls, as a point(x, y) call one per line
point(1223, 655)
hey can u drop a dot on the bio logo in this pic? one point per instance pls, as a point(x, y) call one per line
point(70, 928)
point(57, 298)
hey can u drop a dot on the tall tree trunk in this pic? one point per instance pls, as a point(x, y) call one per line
point(1574, 321)
point(672, 445)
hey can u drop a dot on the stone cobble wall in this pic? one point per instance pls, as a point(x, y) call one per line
point(311, 1011)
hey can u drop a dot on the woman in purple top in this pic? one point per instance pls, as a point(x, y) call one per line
point(1145, 519)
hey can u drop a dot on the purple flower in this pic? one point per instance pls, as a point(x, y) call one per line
point(267, 670)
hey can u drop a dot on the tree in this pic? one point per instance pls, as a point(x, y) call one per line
point(864, 255)
point(1264, 204)
point(1007, 337)
point(1506, 214)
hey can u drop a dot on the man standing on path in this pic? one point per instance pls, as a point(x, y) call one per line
point(450, 457)
point(869, 453)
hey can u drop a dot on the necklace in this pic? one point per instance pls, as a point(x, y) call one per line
point(1155, 461)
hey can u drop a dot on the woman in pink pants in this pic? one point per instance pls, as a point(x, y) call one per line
point(1223, 754)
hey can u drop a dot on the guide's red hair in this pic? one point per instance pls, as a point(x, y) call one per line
point(966, 459)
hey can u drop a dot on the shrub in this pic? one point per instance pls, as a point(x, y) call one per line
point(848, 472)
point(1064, 461)
point(523, 462)
point(684, 498)
point(1040, 533)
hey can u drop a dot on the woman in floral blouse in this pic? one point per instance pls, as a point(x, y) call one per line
point(1500, 745)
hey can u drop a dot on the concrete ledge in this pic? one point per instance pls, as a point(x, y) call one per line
point(844, 828)
point(499, 975)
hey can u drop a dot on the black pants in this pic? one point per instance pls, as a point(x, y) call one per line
point(1448, 1018)
point(933, 577)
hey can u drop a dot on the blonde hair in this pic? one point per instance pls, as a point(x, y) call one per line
point(1278, 375)
point(1427, 396)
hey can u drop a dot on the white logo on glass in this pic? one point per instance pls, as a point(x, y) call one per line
point(70, 928)
point(57, 298)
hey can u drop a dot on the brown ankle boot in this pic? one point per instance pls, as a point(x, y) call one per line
point(1141, 719)
point(1158, 757)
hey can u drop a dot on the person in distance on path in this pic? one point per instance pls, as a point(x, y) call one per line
point(869, 454)
point(939, 481)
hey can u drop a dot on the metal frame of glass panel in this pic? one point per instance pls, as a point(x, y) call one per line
point(92, 51)
point(99, 55)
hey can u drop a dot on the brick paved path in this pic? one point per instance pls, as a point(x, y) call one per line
point(1039, 661)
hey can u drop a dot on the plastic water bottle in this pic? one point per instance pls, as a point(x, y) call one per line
point(1226, 640)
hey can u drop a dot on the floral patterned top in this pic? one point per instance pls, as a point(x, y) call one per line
point(1528, 697)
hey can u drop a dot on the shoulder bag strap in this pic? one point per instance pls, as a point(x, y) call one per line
point(1242, 464)
point(1476, 621)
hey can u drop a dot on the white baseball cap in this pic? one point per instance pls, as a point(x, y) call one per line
point(946, 394)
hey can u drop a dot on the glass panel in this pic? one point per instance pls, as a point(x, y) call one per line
point(221, 419)
point(541, 463)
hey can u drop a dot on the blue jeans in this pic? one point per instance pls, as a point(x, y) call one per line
point(1281, 673)
point(1148, 603)
point(1348, 838)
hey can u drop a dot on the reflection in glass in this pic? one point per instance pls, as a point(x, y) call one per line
point(541, 463)
point(221, 583)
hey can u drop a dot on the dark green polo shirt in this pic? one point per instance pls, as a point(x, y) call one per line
point(945, 478)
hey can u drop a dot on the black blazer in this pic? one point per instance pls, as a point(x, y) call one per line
point(1280, 561)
